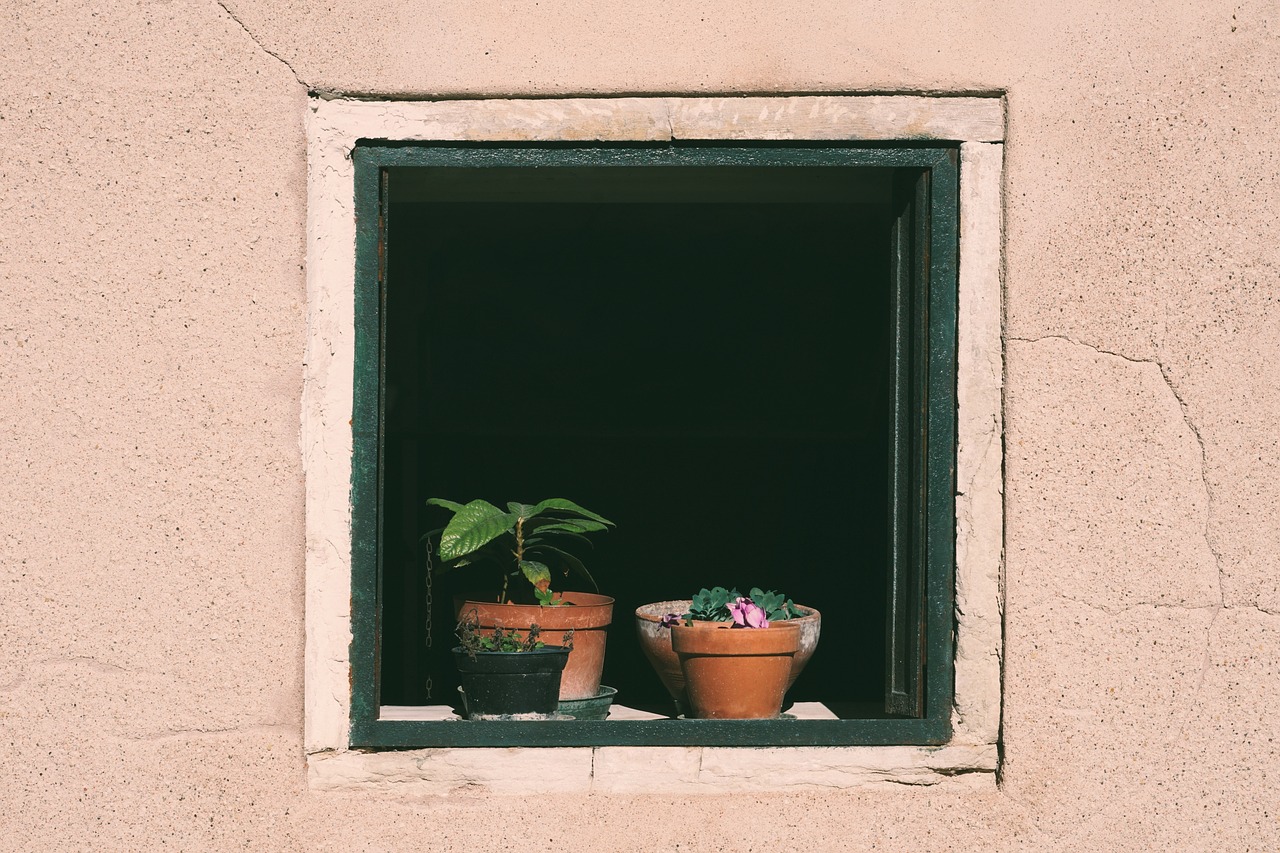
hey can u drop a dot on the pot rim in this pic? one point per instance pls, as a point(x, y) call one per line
point(719, 638)
point(459, 650)
point(596, 600)
point(809, 612)
point(590, 612)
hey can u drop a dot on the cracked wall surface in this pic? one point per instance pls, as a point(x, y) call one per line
point(152, 206)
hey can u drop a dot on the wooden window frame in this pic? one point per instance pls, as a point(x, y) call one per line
point(925, 244)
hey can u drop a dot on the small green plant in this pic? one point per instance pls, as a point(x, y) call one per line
point(728, 605)
point(519, 541)
point(474, 640)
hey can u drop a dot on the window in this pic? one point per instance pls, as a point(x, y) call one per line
point(765, 334)
point(849, 367)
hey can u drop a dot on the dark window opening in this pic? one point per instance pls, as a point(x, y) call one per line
point(709, 370)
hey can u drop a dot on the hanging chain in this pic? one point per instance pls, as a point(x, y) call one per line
point(429, 608)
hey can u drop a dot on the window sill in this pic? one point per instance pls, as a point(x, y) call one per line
point(652, 769)
point(646, 769)
point(814, 725)
point(446, 713)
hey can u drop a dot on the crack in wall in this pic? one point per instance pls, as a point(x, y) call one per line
point(993, 433)
point(1163, 605)
point(93, 663)
point(1205, 665)
point(1195, 431)
point(198, 732)
point(1207, 661)
point(1120, 611)
point(268, 51)
point(1204, 478)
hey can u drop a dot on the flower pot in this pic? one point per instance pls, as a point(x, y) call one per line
point(735, 673)
point(587, 614)
point(497, 683)
point(655, 640)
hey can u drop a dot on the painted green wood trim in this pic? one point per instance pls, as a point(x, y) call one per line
point(937, 543)
point(365, 606)
point(404, 734)
point(904, 625)
point(940, 436)
point(490, 156)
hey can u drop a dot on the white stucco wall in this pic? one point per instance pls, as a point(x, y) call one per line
point(152, 340)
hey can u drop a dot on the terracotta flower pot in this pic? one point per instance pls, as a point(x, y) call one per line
point(586, 613)
point(736, 673)
point(655, 640)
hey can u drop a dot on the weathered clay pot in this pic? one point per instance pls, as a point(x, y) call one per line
point(655, 640)
point(587, 614)
point(735, 673)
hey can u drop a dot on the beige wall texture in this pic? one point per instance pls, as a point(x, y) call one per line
point(152, 328)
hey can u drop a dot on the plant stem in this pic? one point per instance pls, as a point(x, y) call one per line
point(519, 552)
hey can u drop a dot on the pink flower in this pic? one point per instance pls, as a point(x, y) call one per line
point(747, 614)
point(671, 619)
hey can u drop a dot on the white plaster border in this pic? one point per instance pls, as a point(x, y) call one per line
point(334, 126)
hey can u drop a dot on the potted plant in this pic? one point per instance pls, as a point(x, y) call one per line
point(720, 607)
point(508, 673)
point(524, 542)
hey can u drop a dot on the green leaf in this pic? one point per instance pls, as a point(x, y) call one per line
point(577, 525)
point(521, 510)
point(775, 605)
point(456, 507)
point(574, 563)
point(577, 536)
point(474, 526)
point(470, 559)
point(569, 506)
point(712, 604)
point(537, 573)
point(553, 599)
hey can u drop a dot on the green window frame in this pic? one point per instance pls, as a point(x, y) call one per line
point(924, 281)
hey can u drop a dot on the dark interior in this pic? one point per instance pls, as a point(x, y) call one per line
point(699, 354)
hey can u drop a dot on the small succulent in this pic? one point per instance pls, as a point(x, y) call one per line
point(718, 604)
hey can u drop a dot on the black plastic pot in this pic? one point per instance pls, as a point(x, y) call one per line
point(498, 683)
